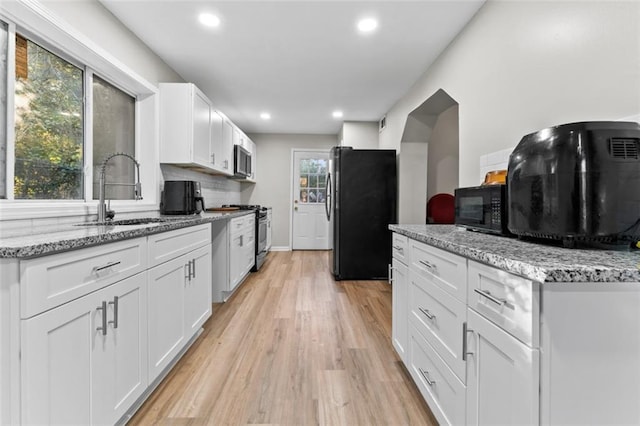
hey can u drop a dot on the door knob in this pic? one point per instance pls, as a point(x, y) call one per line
point(295, 201)
point(296, 208)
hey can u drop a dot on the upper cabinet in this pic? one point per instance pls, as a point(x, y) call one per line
point(192, 132)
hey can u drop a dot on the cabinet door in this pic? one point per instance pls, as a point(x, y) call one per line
point(57, 363)
point(502, 376)
point(121, 356)
point(227, 147)
point(235, 259)
point(400, 308)
point(216, 141)
point(201, 129)
point(166, 291)
point(198, 291)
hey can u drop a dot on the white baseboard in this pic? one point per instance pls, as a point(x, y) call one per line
point(280, 248)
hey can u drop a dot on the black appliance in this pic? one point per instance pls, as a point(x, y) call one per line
point(577, 182)
point(260, 232)
point(482, 208)
point(361, 201)
point(241, 162)
point(181, 197)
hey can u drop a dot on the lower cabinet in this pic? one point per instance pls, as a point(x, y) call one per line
point(233, 243)
point(400, 303)
point(502, 376)
point(85, 362)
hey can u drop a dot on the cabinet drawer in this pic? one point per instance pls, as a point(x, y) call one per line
point(509, 301)
point(439, 317)
point(447, 270)
point(443, 391)
point(399, 247)
point(50, 281)
point(169, 245)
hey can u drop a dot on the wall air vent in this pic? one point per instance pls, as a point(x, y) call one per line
point(624, 148)
point(382, 123)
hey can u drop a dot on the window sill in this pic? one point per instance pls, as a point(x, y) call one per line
point(17, 210)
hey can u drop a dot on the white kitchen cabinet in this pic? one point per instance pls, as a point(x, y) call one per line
point(400, 296)
point(191, 130)
point(179, 292)
point(72, 371)
point(198, 291)
point(233, 254)
point(222, 141)
point(502, 376)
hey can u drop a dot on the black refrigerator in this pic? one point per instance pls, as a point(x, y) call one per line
point(361, 203)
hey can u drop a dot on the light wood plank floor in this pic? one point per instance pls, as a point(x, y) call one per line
point(292, 347)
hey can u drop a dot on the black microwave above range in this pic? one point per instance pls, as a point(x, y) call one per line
point(241, 162)
point(482, 208)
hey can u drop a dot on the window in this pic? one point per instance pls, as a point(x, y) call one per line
point(113, 131)
point(4, 61)
point(48, 125)
point(50, 143)
point(313, 179)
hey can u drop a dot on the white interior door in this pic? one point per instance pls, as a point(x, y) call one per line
point(310, 224)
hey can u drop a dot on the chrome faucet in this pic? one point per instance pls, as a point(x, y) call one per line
point(105, 213)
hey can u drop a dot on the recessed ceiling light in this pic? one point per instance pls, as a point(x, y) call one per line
point(367, 25)
point(209, 19)
point(337, 114)
point(265, 116)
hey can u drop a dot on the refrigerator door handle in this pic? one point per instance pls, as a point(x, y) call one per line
point(327, 198)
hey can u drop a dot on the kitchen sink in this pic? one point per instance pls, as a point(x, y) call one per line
point(136, 221)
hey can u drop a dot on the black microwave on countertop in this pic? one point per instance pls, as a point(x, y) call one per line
point(482, 208)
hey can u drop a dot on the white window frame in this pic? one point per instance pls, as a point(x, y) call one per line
point(32, 20)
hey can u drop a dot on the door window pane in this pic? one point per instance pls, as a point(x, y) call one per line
point(313, 177)
point(4, 39)
point(49, 125)
point(113, 131)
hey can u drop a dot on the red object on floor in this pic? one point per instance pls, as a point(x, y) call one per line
point(441, 209)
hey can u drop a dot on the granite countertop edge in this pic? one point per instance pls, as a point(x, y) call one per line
point(14, 247)
point(537, 262)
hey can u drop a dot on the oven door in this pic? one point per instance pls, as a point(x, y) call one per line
point(262, 234)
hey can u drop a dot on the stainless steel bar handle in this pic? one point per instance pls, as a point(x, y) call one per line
point(390, 274)
point(400, 249)
point(226, 164)
point(213, 158)
point(103, 308)
point(327, 197)
point(425, 374)
point(465, 330)
point(193, 268)
point(427, 313)
point(188, 269)
point(489, 296)
point(428, 265)
point(115, 311)
point(108, 265)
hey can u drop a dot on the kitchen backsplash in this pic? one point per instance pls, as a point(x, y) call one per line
point(216, 190)
point(494, 161)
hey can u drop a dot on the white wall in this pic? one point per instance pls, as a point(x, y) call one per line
point(359, 134)
point(274, 176)
point(98, 24)
point(522, 66)
point(442, 164)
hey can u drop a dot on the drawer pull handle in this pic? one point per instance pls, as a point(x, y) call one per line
point(108, 265)
point(193, 268)
point(428, 265)
point(103, 308)
point(426, 377)
point(115, 311)
point(427, 313)
point(400, 249)
point(489, 296)
point(188, 270)
point(390, 274)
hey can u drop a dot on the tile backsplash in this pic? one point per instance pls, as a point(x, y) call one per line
point(494, 161)
point(216, 190)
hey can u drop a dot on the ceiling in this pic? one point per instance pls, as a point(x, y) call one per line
point(298, 60)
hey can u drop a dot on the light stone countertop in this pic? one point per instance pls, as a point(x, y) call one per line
point(44, 240)
point(539, 262)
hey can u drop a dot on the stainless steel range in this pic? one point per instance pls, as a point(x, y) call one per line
point(261, 232)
